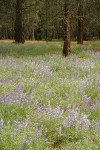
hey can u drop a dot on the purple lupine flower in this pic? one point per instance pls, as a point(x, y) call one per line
point(17, 95)
point(85, 123)
point(95, 106)
point(48, 112)
point(54, 112)
point(46, 70)
point(3, 97)
point(40, 107)
point(38, 131)
point(26, 122)
point(95, 125)
point(1, 124)
point(72, 117)
point(87, 99)
point(76, 62)
point(18, 125)
point(25, 141)
point(70, 120)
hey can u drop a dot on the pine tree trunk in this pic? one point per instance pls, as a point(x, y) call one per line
point(33, 31)
point(46, 30)
point(19, 29)
point(99, 33)
point(67, 41)
point(3, 32)
point(80, 22)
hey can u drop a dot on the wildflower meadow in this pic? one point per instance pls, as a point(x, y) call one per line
point(48, 102)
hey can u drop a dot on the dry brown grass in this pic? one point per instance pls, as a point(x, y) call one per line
point(6, 41)
point(27, 42)
point(92, 42)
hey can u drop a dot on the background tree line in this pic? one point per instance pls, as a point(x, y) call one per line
point(50, 19)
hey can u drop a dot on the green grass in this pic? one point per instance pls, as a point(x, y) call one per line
point(37, 49)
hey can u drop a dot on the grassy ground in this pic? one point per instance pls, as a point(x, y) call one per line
point(8, 48)
point(48, 102)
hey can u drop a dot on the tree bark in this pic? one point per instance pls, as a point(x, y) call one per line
point(67, 41)
point(46, 30)
point(99, 33)
point(80, 23)
point(33, 31)
point(19, 29)
point(3, 35)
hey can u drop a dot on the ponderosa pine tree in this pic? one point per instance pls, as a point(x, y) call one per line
point(67, 40)
point(19, 26)
point(80, 22)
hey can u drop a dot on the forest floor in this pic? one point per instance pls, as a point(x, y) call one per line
point(48, 102)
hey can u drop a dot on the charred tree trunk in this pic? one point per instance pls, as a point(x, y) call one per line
point(80, 22)
point(19, 29)
point(67, 41)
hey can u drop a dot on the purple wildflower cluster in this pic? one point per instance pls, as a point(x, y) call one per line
point(87, 100)
point(76, 119)
point(48, 112)
point(46, 85)
point(16, 95)
point(38, 131)
point(74, 116)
